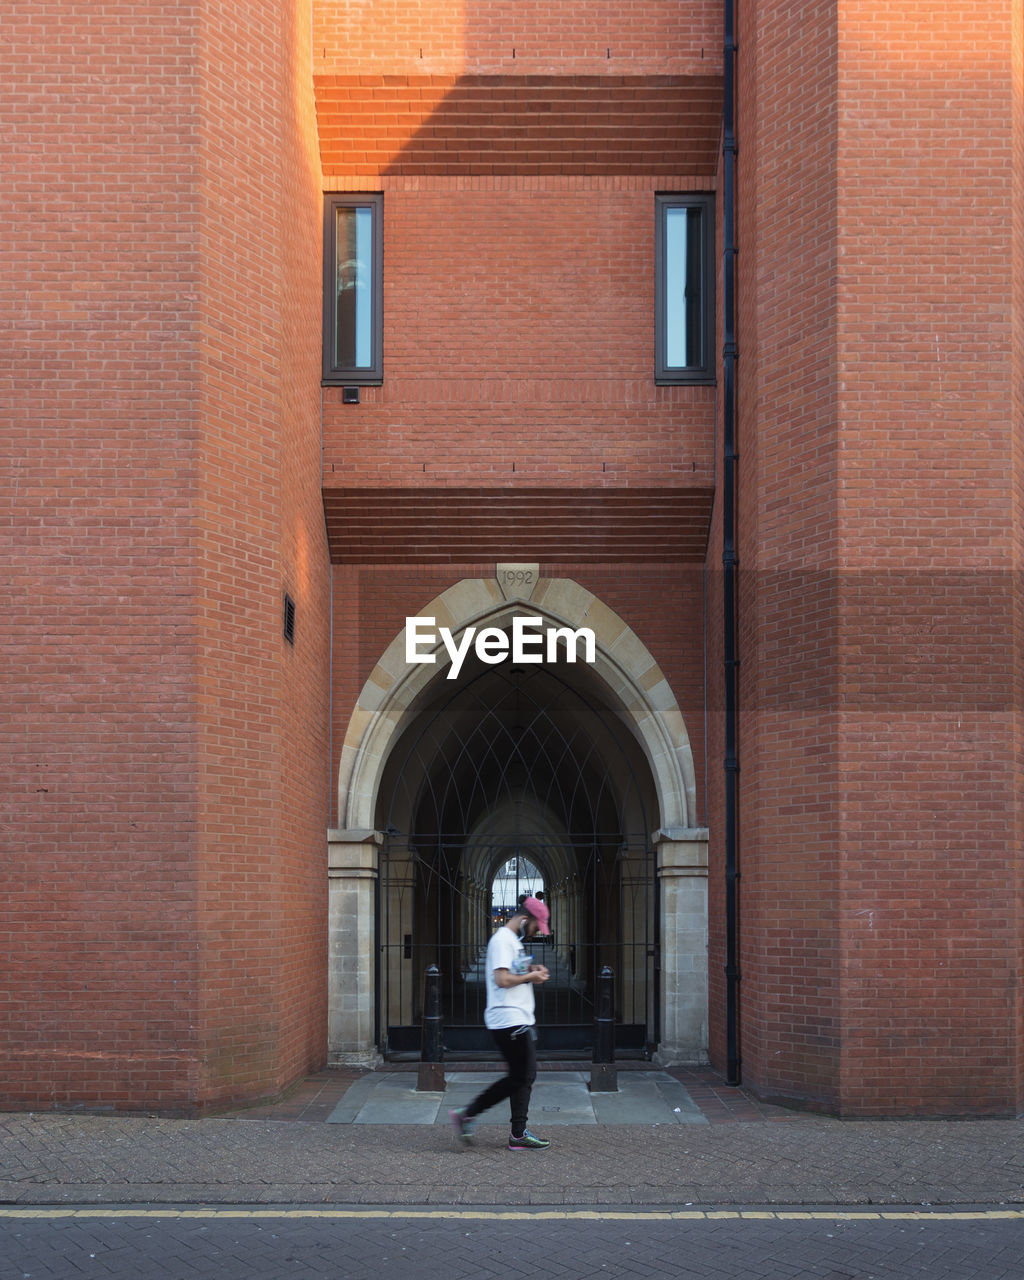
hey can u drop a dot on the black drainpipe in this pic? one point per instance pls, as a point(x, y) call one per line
point(729, 556)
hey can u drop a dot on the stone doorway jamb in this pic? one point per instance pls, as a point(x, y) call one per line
point(353, 859)
point(682, 869)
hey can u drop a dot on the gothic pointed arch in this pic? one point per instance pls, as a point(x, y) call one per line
point(627, 674)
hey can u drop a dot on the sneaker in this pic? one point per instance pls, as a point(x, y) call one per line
point(528, 1142)
point(462, 1124)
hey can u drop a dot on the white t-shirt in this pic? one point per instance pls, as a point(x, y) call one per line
point(508, 1006)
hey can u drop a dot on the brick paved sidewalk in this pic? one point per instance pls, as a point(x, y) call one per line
point(746, 1154)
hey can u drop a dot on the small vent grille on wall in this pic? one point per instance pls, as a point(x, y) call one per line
point(289, 619)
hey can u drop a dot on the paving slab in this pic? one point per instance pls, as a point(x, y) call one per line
point(646, 1098)
point(559, 1098)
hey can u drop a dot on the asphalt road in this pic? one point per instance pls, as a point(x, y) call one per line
point(162, 1243)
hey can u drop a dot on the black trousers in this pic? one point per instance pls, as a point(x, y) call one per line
point(519, 1051)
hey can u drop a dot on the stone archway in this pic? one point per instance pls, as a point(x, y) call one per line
point(630, 681)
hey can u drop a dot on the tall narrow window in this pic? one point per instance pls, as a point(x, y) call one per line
point(352, 289)
point(684, 289)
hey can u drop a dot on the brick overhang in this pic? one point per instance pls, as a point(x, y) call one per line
point(451, 126)
point(460, 525)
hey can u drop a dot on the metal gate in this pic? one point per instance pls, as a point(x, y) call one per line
point(517, 769)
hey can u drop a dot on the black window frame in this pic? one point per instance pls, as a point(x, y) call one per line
point(702, 372)
point(333, 373)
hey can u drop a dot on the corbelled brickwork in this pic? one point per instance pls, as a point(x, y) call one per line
point(637, 526)
point(555, 126)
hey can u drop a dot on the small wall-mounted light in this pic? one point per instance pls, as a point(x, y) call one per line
point(350, 395)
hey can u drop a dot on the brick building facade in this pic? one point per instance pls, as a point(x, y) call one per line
point(211, 886)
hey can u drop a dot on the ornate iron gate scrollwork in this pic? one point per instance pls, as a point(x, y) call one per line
point(516, 763)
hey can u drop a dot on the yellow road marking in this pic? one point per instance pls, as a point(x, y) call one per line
point(525, 1215)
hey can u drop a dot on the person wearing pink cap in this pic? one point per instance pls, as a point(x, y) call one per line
point(510, 1018)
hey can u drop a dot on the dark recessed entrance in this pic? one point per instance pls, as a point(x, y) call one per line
point(528, 768)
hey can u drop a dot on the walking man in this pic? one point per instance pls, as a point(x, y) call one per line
point(510, 1018)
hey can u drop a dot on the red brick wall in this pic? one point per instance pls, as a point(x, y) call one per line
point(528, 37)
point(929, 535)
point(262, 704)
point(879, 524)
point(787, 536)
point(163, 905)
point(786, 437)
point(519, 344)
point(100, 417)
point(169, 792)
point(304, 724)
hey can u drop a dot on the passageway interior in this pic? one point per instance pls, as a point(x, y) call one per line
point(528, 766)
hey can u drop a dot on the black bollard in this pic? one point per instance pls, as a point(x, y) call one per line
point(604, 1077)
point(431, 1071)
